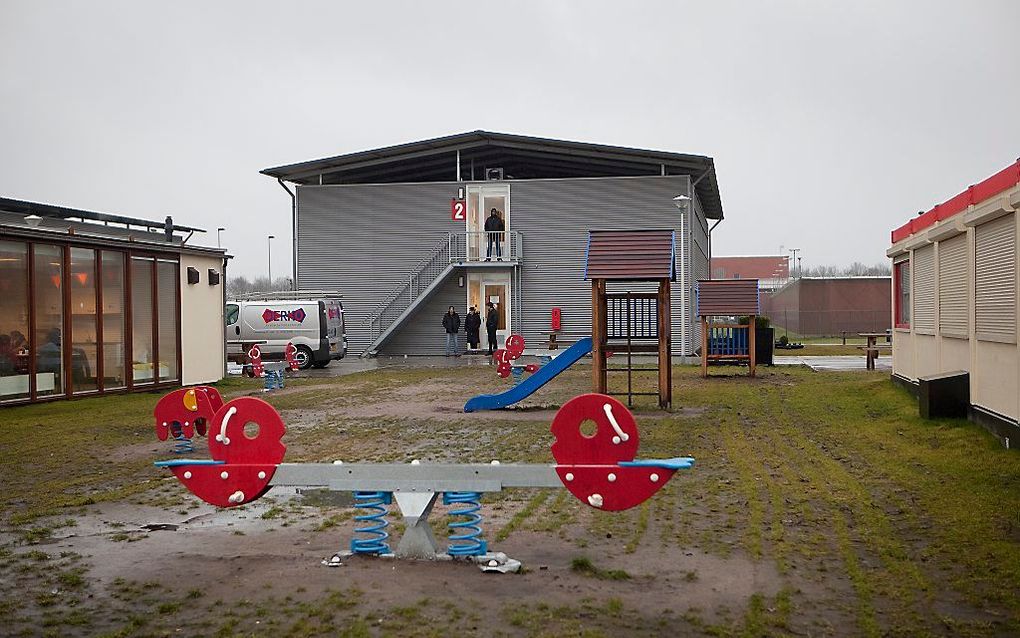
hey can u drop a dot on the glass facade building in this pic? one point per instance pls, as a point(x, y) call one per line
point(78, 319)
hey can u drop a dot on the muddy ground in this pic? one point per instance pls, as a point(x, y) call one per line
point(782, 528)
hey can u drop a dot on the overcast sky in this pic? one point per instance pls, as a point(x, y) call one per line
point(830, 122)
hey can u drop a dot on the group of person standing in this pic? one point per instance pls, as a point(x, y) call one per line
point(472, 326)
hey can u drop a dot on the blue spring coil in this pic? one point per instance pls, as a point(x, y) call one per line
point(465, 534)
point(273, 379)
point(182, 444)
point(375, 503)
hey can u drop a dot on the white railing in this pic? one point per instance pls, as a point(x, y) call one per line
point(481, 246)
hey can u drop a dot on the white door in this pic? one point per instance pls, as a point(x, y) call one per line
point(494, 287)
point(482, 200)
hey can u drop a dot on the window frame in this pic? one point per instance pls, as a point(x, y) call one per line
point(903, 297)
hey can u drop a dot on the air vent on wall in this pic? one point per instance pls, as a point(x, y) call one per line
point(214, 277)
point(192, 275)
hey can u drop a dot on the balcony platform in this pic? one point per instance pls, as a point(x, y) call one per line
point(486, 265)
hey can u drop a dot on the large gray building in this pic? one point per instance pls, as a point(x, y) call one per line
point(401, 232)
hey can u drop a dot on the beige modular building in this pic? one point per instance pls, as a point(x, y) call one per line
point(955, 298)
point(93, 303)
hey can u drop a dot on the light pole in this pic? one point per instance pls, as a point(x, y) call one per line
point(793, 262)
point(269, 251)
point(218, 231)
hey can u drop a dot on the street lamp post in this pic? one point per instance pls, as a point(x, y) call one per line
point(269, 251)
point(218, 231)
point(794, 262)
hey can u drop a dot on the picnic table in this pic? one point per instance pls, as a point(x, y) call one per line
point(871, 350)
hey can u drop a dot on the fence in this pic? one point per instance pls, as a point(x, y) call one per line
point(829, 323)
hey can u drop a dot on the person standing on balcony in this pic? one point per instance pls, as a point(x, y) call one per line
point(494, 227)
point(451, 322)
point(491, 324)
point(472, 323)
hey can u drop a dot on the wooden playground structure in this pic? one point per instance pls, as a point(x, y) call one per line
point(724, 341)
point(629, 322)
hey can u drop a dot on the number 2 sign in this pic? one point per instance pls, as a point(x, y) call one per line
point(457, 210)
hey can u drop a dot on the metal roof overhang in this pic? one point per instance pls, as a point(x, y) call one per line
point(60, 212)
point(428, 160)
point(106, 241)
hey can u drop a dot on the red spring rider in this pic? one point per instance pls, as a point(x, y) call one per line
point(255, 357)
point(290, 352)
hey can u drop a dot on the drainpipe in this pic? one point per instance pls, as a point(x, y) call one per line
point(711, 228)
point(293, 232)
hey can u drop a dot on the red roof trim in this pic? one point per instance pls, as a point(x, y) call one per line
point(1003, 180)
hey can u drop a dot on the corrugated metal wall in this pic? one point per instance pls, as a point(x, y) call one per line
point(355, 238)
point(555, 215)
point(364, 239)
point(423, 332)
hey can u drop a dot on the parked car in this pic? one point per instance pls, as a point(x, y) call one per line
point(312, 320)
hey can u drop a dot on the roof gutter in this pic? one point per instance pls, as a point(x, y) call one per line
point(293, 231)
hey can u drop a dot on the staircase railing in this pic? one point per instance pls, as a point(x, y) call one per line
point(403, 294)
point(479, 246)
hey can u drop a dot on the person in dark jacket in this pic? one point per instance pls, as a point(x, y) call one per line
point(491, 324)
point(451, 322)
point(472, 322)
point(494, 227)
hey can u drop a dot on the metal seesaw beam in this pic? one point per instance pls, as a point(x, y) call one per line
point(407, 477)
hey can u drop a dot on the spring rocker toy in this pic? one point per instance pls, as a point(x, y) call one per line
point(596, 440)
point(513, 350)
point(272, 371)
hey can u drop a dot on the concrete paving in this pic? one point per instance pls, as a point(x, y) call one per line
point(846, 362)
point(354, 364)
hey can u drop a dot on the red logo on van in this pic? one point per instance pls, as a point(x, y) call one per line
point(333, 313)
point(284, 315)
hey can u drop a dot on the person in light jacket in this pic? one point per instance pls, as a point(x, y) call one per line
point(451, 323)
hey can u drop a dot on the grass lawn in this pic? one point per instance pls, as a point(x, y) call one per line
point(820, 505)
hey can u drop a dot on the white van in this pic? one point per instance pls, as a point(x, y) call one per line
point(313, 320)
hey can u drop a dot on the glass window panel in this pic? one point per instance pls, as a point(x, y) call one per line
point(84, 351)
point(142, 355)
point(166, 287)
point(113, 320)
point(49, 319)
point(14, 347)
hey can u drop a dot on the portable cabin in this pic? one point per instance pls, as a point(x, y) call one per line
point(954, 298)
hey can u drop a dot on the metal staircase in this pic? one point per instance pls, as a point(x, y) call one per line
point(421, 283)
point(453, 251)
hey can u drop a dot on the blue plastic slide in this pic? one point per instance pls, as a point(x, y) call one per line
point(532, 383)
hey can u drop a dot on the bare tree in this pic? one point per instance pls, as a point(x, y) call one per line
point(856, 269)
point(241, 285)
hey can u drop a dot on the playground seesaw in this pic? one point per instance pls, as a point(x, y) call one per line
point(596, 441)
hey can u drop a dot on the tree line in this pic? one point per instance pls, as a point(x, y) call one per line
point(241, 285)
point(856, 269)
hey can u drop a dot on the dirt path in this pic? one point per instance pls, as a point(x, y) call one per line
point(786, 526)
